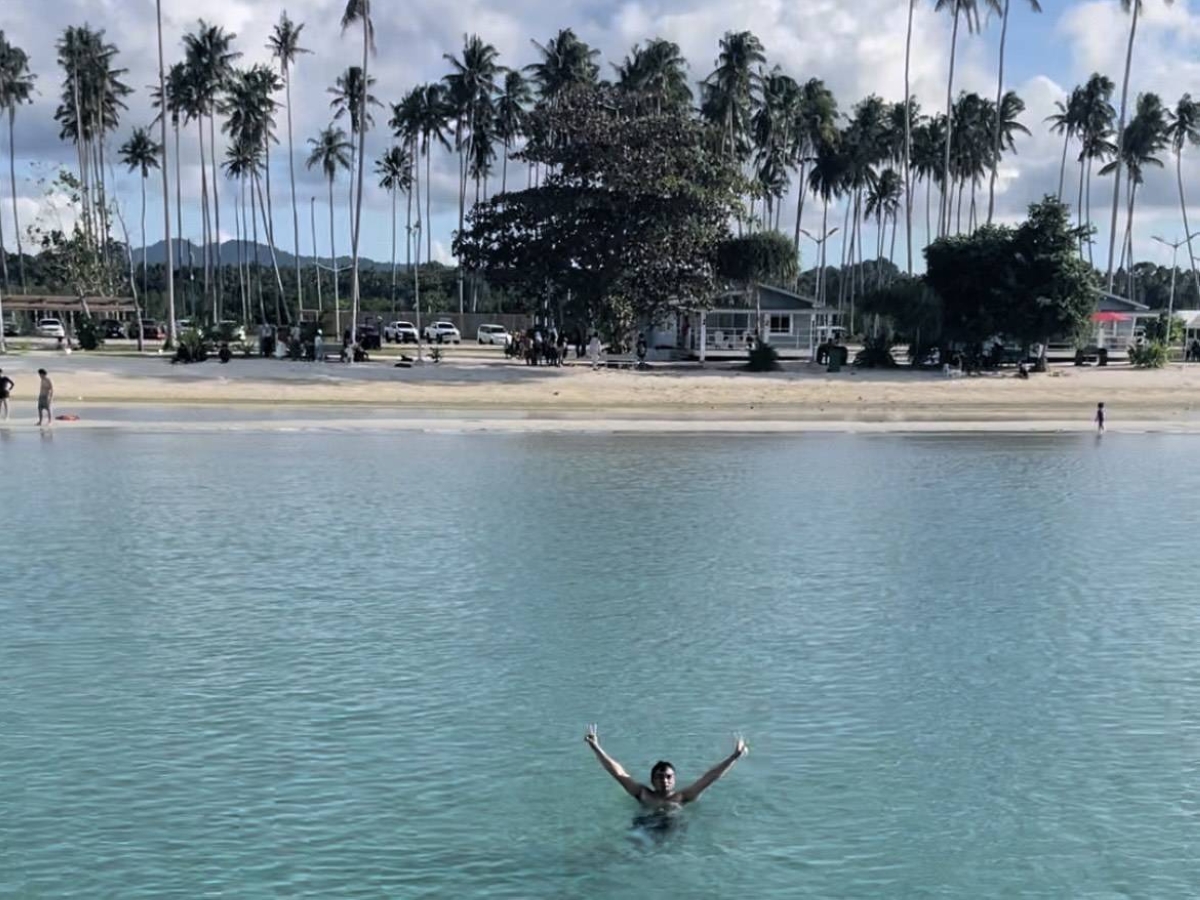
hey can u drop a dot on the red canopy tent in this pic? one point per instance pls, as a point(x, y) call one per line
point(1109, 317)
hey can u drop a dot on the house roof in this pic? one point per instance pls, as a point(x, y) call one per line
point(1116, 303)
point(770, 299)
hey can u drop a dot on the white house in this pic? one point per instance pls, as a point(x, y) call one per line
point(790, 322)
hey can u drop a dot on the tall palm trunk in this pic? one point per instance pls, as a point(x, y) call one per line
point(337, 303)
point(824, 241)
point(204, 208)
point(3, 260)
point(178, 199)
point(504, 169)
point(928, 212)
point(269, 229)
point(144, 269)
point(218, 292)
point(362, 153)
point(945, 215)
point(908, 138)
point(262, 306)
point(1079, 205)
point(1112, 237)
point(393, 193)
point(996, 125)
point(462, 203)
point(416, 268)
point(408, 231)
point(428, 202)
point(239, 236)
point(271, 247)
point(1087, 203)
point(1062, 166)
point(12, 176)
point(287, 86)
point(1187, 231)
point(312, 216)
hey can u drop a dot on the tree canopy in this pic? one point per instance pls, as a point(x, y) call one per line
point(626, 222)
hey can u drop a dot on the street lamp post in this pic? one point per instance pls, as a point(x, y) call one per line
point(1174, 245)
point(820, 242)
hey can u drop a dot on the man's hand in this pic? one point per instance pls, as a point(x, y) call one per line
point(591, 738)
point(740, 747)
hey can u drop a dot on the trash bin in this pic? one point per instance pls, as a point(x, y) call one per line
point(837, 358)
point(1102, 354)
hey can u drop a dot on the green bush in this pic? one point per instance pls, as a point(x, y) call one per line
point(88, 332)
point(876, 354)
point(1150, 355)
point(763, 358)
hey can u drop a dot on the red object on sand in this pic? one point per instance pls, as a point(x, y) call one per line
point(67, 418)
point(1109, 317)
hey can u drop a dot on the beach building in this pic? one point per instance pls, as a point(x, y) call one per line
point(792, 323)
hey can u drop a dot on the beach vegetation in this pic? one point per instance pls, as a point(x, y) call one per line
point(1148, 355)
point(763, 358)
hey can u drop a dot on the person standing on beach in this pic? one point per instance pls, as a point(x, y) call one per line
point(1100, 418)
point(45, 398)
point(6, 386)
point(594, 350)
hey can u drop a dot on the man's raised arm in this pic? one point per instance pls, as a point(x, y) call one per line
point(611, 766)
point(694, 790)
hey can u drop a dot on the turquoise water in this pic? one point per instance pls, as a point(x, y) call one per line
point(361, 665)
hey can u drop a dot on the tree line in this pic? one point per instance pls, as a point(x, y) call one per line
point(775, 130)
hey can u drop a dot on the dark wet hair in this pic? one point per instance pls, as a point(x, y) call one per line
point(41, 371)
point(660, 767)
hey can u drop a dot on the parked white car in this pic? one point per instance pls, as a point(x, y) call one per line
point(400, 332)
point(492, 334)
point(51, 328)
point(442, 333)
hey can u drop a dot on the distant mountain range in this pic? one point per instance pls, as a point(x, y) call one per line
point(156, 254)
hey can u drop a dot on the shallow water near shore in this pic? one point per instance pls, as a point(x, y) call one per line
point(337, 665)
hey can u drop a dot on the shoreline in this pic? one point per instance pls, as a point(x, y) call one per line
point(492, 395)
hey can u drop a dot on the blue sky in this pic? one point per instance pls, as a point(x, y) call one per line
point(857, 48)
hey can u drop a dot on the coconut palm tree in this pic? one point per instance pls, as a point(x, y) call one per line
point(826, 179)
point(1067, 122)
point(284, 45)
point(909, 119)
point(996, 135)
point(731, 89)
point(1095, 133)
point(471, 82)
point(928, 144)
point(815, 122)
point(331, 151)
point(1145, 136)
point(1183, 129)
point(210, 57)
point(16, 88)
point(656, 76)
point(963, 11)
point(772, 128)
point(394, 169)
point(90, 108)
point(514, 97)
point(250, 106)
point(359, 12)
point(140, 153)
point(405, 125)
point(432, 122)
point(883, 205)
point(1134, 6)
point(166, 188)
point(1002, 120)
point(243, 160)
point(565, 62)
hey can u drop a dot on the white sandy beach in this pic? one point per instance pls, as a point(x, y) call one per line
point(475, 393)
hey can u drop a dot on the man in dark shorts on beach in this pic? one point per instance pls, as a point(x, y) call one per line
point(661, 796)
point(45, 398)
point(6, 386)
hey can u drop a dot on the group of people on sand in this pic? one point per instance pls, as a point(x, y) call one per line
point(45, 402)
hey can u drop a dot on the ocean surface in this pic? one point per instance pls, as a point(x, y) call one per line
point(267, 664)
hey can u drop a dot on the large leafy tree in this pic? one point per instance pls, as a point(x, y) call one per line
point(1028, 283)
point(16, 89)
point(627, 222)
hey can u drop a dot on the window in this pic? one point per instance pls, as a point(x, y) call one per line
point(781, 324)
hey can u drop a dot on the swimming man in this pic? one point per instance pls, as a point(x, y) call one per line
point(662, 793)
